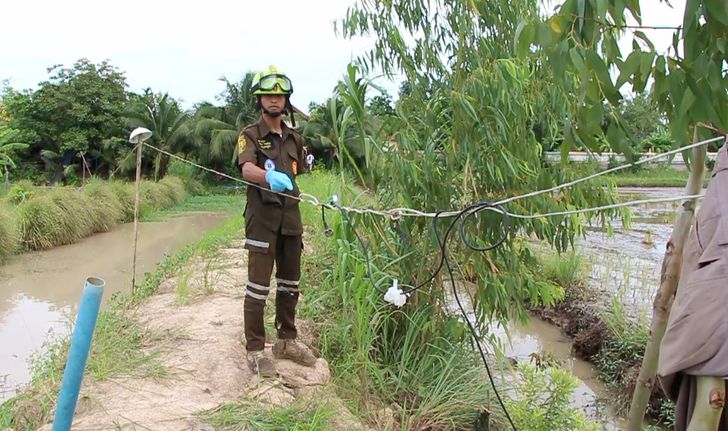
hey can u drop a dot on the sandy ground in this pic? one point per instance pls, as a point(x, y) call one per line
point(203, 356)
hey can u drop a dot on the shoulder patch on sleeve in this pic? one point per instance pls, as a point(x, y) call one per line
point(242, 143)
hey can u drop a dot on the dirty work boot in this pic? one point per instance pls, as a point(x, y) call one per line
point(295, 351)
point(261, 364)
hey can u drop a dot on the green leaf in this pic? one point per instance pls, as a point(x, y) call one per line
point(525, 34)
point(643, 37)
point(628, 68)
point(580, 11)
point(597, 65)
point(718, 10)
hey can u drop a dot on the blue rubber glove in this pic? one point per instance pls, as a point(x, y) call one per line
point(278, 181)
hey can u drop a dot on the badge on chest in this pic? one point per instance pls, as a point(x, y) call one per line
point(263, 144)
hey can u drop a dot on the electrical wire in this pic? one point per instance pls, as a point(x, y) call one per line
point(396, 213)
point(464, 214)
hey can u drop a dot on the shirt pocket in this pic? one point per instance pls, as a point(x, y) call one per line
point(264, 155)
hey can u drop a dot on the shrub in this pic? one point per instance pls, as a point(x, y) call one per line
point(39, 224)
point(175, 188)
point(106, 209)
point(155, 195)
point(8, 234)
point(124, 193)
point(545, 398)
point(20, 191)
point(182, 170)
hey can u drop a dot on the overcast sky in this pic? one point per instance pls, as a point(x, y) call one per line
point(184, 48)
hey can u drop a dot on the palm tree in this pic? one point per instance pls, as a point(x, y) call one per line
point(169, 124)
point(219, 127)
point(8, 147)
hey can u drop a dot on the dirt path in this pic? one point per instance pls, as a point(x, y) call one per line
point(199, 315)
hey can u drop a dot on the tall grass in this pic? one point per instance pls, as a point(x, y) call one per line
point(249, 415)
point(63, 215)
point(9, 240)
point(414, 362)
point(565, 269)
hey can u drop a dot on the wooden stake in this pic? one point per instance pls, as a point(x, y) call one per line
point(136, 212)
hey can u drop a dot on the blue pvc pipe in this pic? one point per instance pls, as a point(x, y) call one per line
point(83, 332)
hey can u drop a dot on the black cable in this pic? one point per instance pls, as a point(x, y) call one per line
point(465, 214)
point(443, 250)
point(461, 216)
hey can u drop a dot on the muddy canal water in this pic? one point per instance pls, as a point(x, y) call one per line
point(39, 291)
point(623, 265)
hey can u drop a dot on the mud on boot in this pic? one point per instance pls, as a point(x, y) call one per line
point(261, 364)
point(295, 351)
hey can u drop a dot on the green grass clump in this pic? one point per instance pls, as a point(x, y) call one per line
point(9, 240)
point(124, 193)
point(76, 211)
point(163, 194)
point(565, 269)
point(63, 215)
point(106, 210)
point(302, 415)
point(20, 191)
point(175, 188)
point(39, 223)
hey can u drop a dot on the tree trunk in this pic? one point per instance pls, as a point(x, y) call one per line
point(671, 268)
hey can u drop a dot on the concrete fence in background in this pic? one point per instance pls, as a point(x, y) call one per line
point(675, 161)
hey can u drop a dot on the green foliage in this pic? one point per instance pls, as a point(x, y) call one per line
point(76, 111)
point(463, 145)
point(63, 215)
point(170, 126)
point(20, 192)
point(9, 240)
point(642, 118)
point(9, 146)
point(580, 42)
point(216, 128)
point(566, 269)
point(308, 415)
point(544, 402)
point(659, 141)
point(623, 350)
point(381, 105)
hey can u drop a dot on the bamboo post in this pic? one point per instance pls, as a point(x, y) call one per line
point(138, 136)
point(671, 268)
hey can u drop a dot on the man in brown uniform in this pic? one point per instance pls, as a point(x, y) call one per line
point(271, 154)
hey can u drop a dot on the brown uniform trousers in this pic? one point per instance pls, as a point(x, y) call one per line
point(273, 232)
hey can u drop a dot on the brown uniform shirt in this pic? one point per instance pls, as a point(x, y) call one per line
point(284, 153)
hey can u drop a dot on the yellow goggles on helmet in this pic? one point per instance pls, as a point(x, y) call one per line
point(273, 84)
